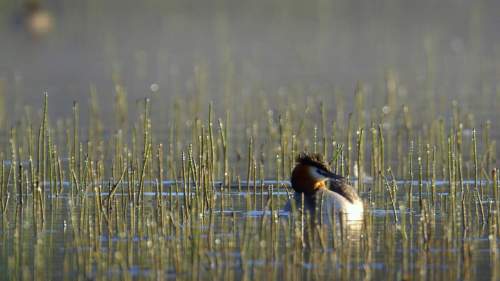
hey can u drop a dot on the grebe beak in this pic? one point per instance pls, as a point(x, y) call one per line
point(330, 175)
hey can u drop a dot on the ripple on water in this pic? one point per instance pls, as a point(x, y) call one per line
point(256, 213)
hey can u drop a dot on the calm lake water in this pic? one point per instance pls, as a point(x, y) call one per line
point(60, 250)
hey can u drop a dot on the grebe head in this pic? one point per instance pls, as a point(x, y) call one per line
point(311, 173)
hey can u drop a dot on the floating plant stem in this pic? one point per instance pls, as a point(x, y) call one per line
point(420, 182)
point(250, 157)
point(13, 149)
point(159, 185)
point(360, 160)
point(391, 187)
point(474, 156)
point(223, 136)
point(410, 173)
point(381, 151)
point(433, 177)
point(114, 188)
point(140, 195)
point(348, 147)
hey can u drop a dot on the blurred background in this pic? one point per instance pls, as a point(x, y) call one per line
point(223, 50)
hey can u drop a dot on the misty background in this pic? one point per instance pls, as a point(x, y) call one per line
point(442, 50)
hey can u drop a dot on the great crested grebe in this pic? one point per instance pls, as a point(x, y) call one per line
point(309, 179)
